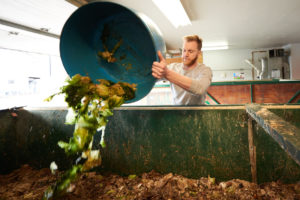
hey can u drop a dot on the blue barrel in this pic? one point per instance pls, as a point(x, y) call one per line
point(100, 27)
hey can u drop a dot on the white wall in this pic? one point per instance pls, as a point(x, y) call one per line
point(224, 63)
point(294, 60)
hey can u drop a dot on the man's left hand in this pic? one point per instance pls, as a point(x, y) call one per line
point(159, 69)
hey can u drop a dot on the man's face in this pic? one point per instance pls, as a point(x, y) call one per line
point(190, 53)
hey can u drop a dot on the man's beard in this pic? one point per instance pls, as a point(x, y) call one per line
point(192, 62)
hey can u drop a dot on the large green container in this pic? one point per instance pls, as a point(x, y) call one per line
point(191, 141)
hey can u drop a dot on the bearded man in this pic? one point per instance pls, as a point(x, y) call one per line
point(189, 80)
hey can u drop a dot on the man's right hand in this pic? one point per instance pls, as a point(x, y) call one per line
point(159, 69)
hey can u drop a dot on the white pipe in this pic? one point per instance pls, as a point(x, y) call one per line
point(257, 70)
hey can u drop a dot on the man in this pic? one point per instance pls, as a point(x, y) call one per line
point(189, 80)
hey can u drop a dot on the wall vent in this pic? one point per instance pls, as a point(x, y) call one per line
point(276, 53)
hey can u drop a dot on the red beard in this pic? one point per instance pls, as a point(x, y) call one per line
point(191, 62)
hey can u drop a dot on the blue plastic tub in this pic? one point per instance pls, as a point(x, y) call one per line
point(99, 26)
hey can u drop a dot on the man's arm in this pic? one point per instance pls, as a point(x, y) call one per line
point(178, 79)
point(160, 70)
point(195, 86)
point(199, 86)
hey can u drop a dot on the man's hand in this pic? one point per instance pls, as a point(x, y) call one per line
point(159, 69)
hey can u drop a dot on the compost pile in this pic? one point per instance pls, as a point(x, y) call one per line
point(28, 183)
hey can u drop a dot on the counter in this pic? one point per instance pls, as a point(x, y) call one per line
point(264, 91)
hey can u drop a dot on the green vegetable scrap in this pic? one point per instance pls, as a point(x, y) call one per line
point(132, 176)
point(90, 106)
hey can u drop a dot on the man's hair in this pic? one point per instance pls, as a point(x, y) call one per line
point(190, 38)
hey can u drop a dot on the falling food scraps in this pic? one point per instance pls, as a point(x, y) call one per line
point(90, 105)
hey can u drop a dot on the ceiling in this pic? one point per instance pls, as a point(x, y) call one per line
point(239, 23)
point(242, 24)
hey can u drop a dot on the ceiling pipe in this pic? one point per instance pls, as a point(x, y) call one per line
point(77, 3)
point(27, 28)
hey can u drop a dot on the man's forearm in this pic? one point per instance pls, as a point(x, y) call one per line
point(178, 79)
